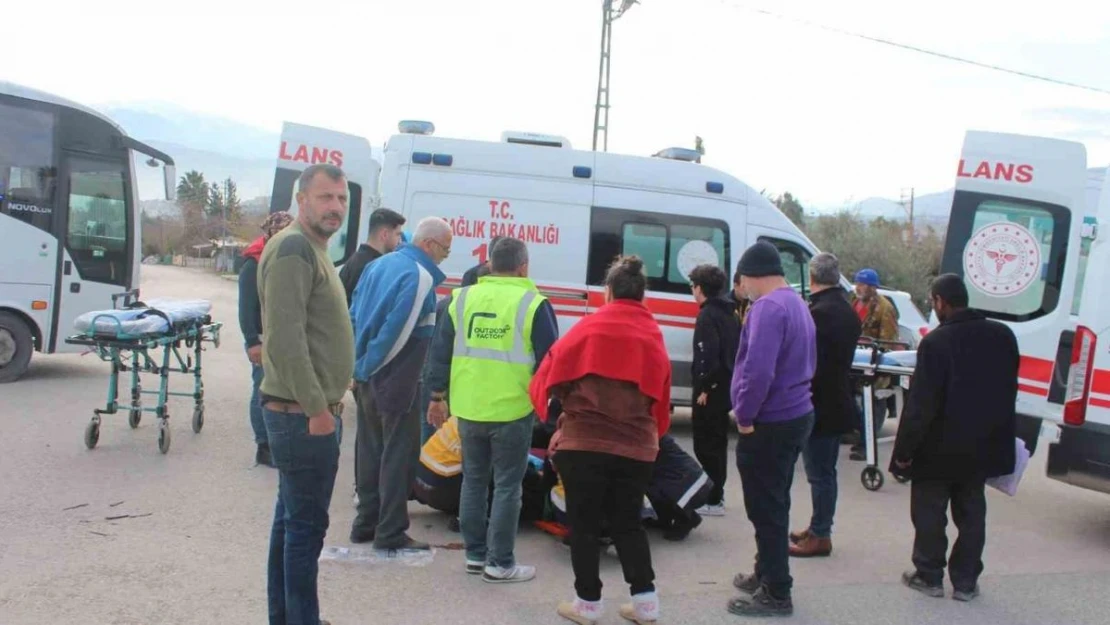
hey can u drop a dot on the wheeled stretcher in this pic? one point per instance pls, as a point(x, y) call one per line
point(129, 339)
point(872, 360)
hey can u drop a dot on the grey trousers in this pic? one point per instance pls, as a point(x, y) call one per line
point(387, 446)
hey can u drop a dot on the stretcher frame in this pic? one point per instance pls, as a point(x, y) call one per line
point(867, 373)
point(136, 354)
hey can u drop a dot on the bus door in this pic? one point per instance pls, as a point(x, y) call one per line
point(97, 232)
point(1014, 236)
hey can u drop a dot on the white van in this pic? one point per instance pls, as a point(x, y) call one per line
point(576, 210)
point(1024, 229)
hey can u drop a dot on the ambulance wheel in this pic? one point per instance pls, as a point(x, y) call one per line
point(92, 434)
point(134, 417)
point(872, 478)
point(901, 479)
point(198, 418)
point(164, 436)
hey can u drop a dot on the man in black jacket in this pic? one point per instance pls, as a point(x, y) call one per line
point(385, 236)
point(838, 331)
point(957, 430)
point(716, 339)
point(471, 275)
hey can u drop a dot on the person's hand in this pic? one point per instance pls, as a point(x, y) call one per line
point(254, 354)
point(703, 399)
point(437, 413)
point(351, 386)
point(745, 429)
point(321, 424)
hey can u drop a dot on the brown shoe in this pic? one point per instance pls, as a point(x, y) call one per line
point(797, 537)
point(812, 547)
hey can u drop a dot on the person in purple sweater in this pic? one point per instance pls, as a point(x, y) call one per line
point(773, 408)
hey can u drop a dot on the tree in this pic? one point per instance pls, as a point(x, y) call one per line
point(791, 207)
point(192, 199)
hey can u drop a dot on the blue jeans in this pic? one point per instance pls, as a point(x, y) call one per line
point(766, 459)
point(306, 466)
point(500, 449)
point(819, 456)
point(258, 424)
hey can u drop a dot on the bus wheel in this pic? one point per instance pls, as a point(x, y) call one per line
point(16, 344)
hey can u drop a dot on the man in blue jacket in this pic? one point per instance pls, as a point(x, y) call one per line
point(393, 313)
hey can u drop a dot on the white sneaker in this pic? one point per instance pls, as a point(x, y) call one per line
point(581, 612)
point(644, 608)
point(712, 510)
point(511, 575)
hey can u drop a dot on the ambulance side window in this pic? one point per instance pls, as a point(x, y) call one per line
point(670, 245)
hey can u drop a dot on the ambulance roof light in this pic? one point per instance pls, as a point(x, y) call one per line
point(535, 138)
point(679, 154)
point(416, 127)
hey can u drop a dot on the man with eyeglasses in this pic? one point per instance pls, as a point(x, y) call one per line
point(393, 313)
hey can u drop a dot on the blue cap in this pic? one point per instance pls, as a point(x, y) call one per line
point(867, 276)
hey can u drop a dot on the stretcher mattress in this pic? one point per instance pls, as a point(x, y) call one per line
point(158, 317)
point(895, 359)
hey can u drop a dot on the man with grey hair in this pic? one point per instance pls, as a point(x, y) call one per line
point(486, 350)
point(308, 356)
point(393, 314)
point(838, 330)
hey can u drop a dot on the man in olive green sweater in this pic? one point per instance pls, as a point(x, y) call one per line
point(308, 358)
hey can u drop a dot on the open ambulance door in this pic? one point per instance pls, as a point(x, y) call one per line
point(1014, 236)
point(1089, 380)
point(302, 146)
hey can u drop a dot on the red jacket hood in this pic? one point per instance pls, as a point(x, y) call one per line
point(254, 250)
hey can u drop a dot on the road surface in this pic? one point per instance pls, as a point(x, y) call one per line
point(194, 548)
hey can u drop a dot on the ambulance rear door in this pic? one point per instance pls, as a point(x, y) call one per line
point(1014, 236)
point(540, 195)
point(302, 146)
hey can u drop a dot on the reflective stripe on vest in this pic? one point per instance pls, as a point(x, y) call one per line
point(519, 354)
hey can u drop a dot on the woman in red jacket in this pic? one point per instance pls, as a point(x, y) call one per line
point(612, 376)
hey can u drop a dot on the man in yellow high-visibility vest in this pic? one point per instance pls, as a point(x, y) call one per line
point(494, 337)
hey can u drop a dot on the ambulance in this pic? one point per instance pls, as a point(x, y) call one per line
point(1026, 233)
point(576, 210)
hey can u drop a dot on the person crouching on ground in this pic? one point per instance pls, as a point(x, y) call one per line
point(838, 331)
point(611, 374)
point(772, 401)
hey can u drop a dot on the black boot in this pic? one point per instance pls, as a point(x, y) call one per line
point(682, 528)
point(262, 455)
point(762, 603)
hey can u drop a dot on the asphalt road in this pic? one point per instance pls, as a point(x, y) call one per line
point(194, 548)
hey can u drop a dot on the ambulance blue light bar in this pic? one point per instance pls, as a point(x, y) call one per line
point(714, 187)
point(442, 160)
point(581, 171)
point(422, 158)
point(416, 127)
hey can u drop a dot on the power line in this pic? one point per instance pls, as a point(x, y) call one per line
point(906, 46)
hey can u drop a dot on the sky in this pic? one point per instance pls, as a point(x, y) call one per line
point(781, 105)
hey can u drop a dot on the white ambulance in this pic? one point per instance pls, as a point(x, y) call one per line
point(1025, 227)
point(576, 210)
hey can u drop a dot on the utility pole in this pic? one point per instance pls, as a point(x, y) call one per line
point(907, 205)
point(601, 110)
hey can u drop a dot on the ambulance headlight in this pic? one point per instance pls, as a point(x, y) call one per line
point(415, 127)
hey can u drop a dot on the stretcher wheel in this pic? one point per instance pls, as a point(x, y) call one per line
point(164, 437)
point(198, 418)
point(134, 417)
point(92, 434)
point(872, 478)
point(901, 479)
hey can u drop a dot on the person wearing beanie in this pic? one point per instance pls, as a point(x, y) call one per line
point(773, 408)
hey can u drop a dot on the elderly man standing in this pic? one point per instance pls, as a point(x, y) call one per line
point(393, 314)
point(308, 355)
point(838, 330)
point(773, 407)
point(494, 337)
point(957, 430)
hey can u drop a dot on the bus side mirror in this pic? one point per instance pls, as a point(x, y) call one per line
point(169, 173)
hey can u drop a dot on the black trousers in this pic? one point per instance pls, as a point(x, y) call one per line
point(600, 485)
point(766, 459)
point(929, 503)
point(711, 427)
